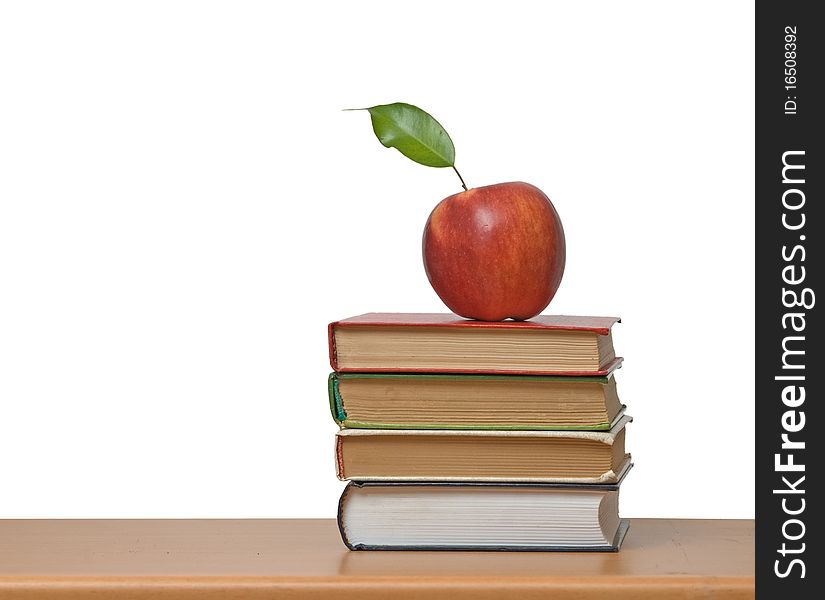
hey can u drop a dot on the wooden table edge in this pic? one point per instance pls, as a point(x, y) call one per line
point(366, 587)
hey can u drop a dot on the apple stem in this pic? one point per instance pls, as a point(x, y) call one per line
point(464, 185)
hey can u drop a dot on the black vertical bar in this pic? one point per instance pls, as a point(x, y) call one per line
point(789, 269)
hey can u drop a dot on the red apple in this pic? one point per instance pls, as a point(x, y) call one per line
point(495, 252)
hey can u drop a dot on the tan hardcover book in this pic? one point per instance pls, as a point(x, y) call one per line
point(441, 401)
point(445, 343)
point(482, 455)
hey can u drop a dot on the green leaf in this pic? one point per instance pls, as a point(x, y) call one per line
point(414, 133)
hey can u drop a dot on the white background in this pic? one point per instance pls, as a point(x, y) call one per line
point(184, 206)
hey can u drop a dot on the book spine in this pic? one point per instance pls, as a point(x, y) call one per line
point(340, 517)
point(333, 353)
point(339, 458)
point(336, 404)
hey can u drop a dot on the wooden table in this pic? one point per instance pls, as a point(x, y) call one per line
point(304, 558)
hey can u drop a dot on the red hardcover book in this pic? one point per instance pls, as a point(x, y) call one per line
point(445, 343)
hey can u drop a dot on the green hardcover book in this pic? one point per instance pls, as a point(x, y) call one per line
point(447, 401)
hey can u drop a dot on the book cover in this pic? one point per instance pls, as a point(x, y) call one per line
point(409, 326)
point(475, 417)
point(497, 523)
point(482, 455)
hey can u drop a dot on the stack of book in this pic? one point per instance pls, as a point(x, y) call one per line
point(472, 435)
